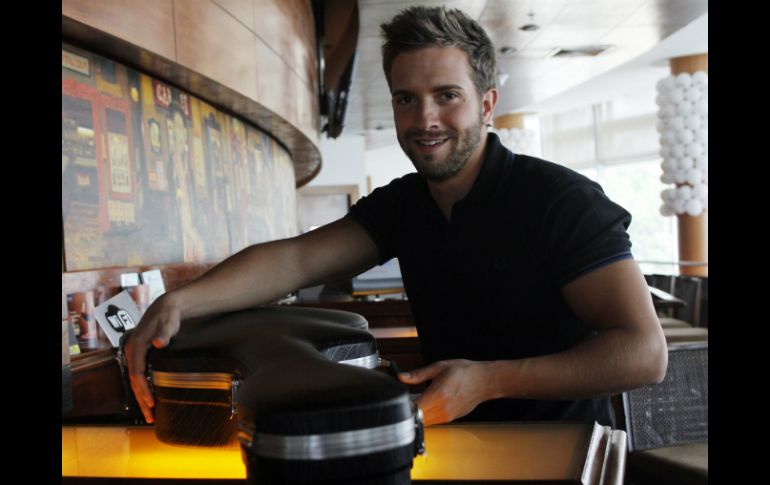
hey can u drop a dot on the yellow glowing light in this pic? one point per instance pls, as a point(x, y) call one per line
point(523, 451)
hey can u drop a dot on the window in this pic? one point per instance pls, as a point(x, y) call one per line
point(615, 143)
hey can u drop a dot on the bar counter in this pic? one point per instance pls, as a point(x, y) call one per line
point(573, 453)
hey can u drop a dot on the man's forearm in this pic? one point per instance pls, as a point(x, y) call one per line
point(613, 361)
point(256, 275)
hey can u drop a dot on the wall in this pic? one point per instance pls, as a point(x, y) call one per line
point(343, 162)
point(256, 58)
point(153, 175)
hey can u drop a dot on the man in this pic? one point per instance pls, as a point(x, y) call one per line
point(527, 300)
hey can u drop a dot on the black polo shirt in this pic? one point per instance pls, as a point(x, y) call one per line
point(486, 285)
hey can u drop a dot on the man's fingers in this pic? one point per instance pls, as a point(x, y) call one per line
point(418, 376)
point(135, 354)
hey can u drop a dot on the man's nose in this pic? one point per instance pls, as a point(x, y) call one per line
point(428, 115)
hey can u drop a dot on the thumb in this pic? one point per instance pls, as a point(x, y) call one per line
point(418, 376)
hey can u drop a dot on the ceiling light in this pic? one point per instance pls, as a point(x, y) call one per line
point(531, 26)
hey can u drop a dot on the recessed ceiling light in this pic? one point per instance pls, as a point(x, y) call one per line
point(530, 26)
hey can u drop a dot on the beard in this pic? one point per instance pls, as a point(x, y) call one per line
point(432, 166)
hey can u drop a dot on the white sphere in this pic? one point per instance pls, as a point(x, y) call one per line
point(694, 207)
point(701, 134)
point(668, 195)
point(693, 122)
point(695, 148)
point(684, 79)
point(667, 166)
point(677, 150)
point(664, 152)
point(686, 163)
point(685, 136)
point(700, 191)
point(668, 111)
point(660, 126)
point(693, 93)
point(666, 211)
point(669, 137)
point(667, 178)
point(680, 176)
point(694, 176)
point(676, 95)
point(660, 100)
point(700, 78)
point(662, 85)
point(685, 108)
point(684, 192)
point(676, 123)
point(701, 106)
point(679, 206)
point(701, 161)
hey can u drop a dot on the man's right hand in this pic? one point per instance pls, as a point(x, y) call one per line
point(158, 325)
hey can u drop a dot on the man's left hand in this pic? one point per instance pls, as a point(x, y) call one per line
point(458, 387)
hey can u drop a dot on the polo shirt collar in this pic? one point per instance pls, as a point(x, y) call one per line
point(490, 179)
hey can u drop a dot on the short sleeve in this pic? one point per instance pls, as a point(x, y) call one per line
point(377, 213)
point(582, 230)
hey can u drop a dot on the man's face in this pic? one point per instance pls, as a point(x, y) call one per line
point(439, 118)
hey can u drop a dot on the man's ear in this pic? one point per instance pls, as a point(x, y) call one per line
point(488, 102)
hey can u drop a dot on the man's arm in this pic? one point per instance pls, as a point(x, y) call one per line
point(253, 276)
point(629, 351)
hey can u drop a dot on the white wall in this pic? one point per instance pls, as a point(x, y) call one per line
point(342, 162)
point(347, 162)
point(388, 161)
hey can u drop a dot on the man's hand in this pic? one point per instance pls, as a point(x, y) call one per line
point(458, 387)
point(158, 325)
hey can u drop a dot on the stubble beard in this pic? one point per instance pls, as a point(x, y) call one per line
point(463, 145)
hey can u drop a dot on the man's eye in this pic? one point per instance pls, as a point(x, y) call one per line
point(449, 95)
point(404, 100)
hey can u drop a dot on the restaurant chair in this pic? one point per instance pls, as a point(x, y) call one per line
point(667, 423)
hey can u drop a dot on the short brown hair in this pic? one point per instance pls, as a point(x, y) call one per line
point(419, 27)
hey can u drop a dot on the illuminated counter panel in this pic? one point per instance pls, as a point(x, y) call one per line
point(515, 452)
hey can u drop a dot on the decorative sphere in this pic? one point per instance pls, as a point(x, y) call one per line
point(694, 176)
point(701, 106)
point(685, 136)
point(685, 108)
point(669, 137)
point(668, 111)
point(676, 95)
point(701, 134)
point(684, 192)
point(684, 79)
point(693, 122)
point(693, 93)
point(679, 206)
point(680, 176)
point(700, 191)
point(676, 123)
point(700, 78)
point(694, 207)
point(695, 148)
point(686, 163)
point(678, 150)
point(668, 195)
point(666, 211)
point(667, 178)
point(701, 161)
